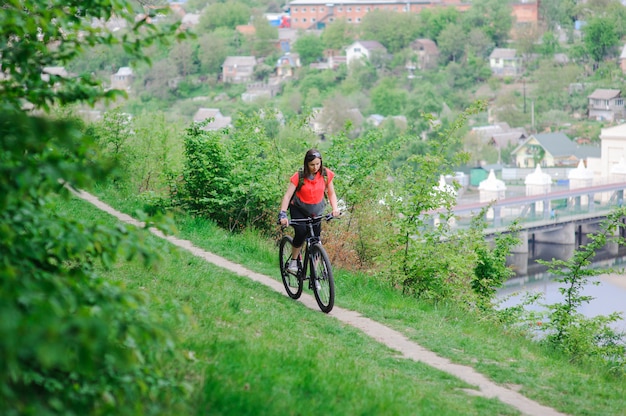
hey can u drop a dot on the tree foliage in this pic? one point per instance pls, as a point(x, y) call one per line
point(227, 15)
point(435, 262)
point(238, 176)
point(265, 36)
point(387, 98)
point(205, 174)
point(587, 340)
point(235, 177)
point(310, 48)
point(451, 42)
point(599, 38)
point(395, 31)
point(213, 48)
point(338, 34)
point(558, 13)
point(553, 82)
point(71, 342)
point(492, 16)
point(433, 21)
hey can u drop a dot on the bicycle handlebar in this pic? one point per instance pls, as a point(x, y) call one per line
point(312, 220)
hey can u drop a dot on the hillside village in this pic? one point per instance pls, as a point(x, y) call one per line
point(536, 76)
point(139, 268)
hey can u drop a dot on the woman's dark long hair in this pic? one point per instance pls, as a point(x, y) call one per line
point(309, 156)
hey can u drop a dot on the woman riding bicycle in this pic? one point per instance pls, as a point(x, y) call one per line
point(305, 198)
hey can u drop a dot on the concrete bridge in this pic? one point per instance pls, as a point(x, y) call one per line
point(560, 220)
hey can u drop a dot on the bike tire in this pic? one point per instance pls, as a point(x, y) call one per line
point(322, 278)
point(293, 284)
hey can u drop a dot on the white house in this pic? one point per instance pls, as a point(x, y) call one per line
point(122, 79)
point(613, 148)
point(218, 120)
point(606, 104)
point(363, 50)
point(505, 62)
point(238, 69)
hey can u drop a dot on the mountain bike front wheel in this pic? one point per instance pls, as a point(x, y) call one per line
point(322, 278)
point(293, 283)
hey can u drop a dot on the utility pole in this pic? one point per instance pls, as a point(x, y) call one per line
point(524, 90)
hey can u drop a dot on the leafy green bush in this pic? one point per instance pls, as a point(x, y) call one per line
point(362, 168)
point(235, 177)
point(586, 340)
point(491, 270)
point(71, 343)
point(456, 265)
point(205, 175)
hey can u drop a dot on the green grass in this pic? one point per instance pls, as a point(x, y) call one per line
point(258, 352)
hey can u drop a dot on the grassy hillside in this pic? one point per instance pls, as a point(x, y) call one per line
point(251, 350)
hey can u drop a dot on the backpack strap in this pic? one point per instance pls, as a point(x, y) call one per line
point(300, 179)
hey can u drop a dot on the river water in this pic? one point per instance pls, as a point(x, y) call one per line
point(609, 294)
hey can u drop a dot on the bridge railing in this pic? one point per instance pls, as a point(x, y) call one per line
point(555, 206)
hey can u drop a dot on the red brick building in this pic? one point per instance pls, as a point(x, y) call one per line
point(524, 12)
point(316, 14)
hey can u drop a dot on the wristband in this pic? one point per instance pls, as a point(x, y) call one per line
point(282, 214)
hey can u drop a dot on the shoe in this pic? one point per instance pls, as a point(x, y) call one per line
point(293, 267)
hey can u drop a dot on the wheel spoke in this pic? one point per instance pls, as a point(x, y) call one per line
point(293, 284)
point(323, 284)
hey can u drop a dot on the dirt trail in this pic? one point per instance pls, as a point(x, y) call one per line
point(387, 336)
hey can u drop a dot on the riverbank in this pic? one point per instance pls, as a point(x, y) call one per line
point(607, 296)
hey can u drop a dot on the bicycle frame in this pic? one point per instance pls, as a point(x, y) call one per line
point(309, 241)
point(313, 265)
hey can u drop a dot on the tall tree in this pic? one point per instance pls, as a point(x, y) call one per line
point(549, 44)
point(557, 13)
point(265, 36)
point(494, 17)
point(338, 114)
point(393, 30)
point(184, 56)
point(360, 78)
point(586, 10)
point(310, 48)
point(387, 98)
point(213, 48)
point(478, 43)
point(159, 81)
point(451, 43)
point(434, 21)
point(338, 34)
point(616, 12)
point(227, 15)
point(526, 41)
point(599, 37)
point(71, 342)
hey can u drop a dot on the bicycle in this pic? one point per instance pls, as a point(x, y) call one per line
point(315, 259)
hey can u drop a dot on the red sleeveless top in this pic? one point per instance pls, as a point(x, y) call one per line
point(312, 191)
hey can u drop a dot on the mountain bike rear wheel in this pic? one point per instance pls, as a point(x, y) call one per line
point(322, 278)
point(293, 283)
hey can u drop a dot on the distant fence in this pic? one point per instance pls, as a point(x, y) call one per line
point(512, 174)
